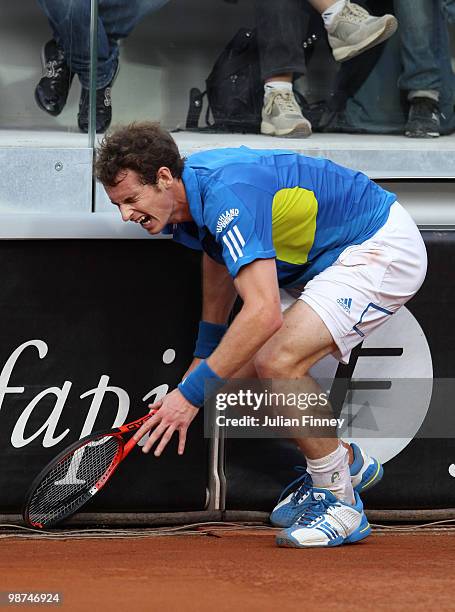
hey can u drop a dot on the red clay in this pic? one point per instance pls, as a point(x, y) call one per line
point(235, 572)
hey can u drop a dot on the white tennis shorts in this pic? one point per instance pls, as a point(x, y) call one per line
point(367, 283)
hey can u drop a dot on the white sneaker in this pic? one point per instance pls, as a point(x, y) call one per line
point(282, 116)
point(353, 30)
point(326, 521)
point(365, 471)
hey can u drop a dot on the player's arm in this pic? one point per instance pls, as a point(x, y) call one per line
point(259, 318)
point(218, 297)
point(245, 237)
point(218, 291)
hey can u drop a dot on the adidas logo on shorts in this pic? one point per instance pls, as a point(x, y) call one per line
point(345, 303)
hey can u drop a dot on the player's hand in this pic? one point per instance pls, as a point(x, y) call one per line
point(175, 414)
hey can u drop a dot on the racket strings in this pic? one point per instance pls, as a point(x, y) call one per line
point(69, 482)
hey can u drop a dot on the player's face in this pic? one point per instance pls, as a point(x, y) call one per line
point(149, 205)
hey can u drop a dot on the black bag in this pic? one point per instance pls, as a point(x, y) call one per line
point(234, 89)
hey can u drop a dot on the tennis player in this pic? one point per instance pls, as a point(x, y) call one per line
point(265, 220)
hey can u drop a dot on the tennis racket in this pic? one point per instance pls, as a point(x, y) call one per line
point(77, 474)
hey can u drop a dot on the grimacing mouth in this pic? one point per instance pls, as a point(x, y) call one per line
point(144, 219)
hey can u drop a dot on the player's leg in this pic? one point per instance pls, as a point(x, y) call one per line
point(302, 341)
point(355, 296)
point(329, 501)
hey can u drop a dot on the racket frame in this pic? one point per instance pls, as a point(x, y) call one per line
point(124, 450)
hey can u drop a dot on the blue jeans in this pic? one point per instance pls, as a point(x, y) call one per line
point(70, 23)
point(423, 36)
point(448, 10)
point(377, 107)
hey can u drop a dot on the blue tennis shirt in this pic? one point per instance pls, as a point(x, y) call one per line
point(257, 204)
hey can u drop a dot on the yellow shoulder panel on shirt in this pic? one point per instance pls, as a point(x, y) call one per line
point(294, 224)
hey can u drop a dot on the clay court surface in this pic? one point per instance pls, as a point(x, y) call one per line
point(235, 571)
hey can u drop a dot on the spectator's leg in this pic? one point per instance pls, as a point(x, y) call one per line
point(448, 10)
point(52, 90)
point(281, 30)
point(120, 17)
point(421, 78)
point(58, 14)
point(70, 22)
point(323, 5)
point(116, 19)
point(351, 29)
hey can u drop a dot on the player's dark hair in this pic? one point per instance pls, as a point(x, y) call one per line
point(143, 147)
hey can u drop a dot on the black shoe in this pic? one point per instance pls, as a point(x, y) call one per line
point(103, 109)
point(424, 119)
point(51, 92)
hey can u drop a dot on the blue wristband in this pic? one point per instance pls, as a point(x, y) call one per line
point(208, 338)
point(192, 388)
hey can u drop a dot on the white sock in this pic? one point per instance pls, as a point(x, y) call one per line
point(283, 85)
point(433, 94)
point(329, 14)
point(332, 473)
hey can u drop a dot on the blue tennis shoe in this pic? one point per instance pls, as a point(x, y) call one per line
point(291, 505)
point(365, 473)
point(326, 521)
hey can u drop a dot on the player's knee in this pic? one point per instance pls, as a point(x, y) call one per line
point(282, 363)
point(277, 365)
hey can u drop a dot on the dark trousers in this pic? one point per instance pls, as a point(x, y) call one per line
point(281, 29)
